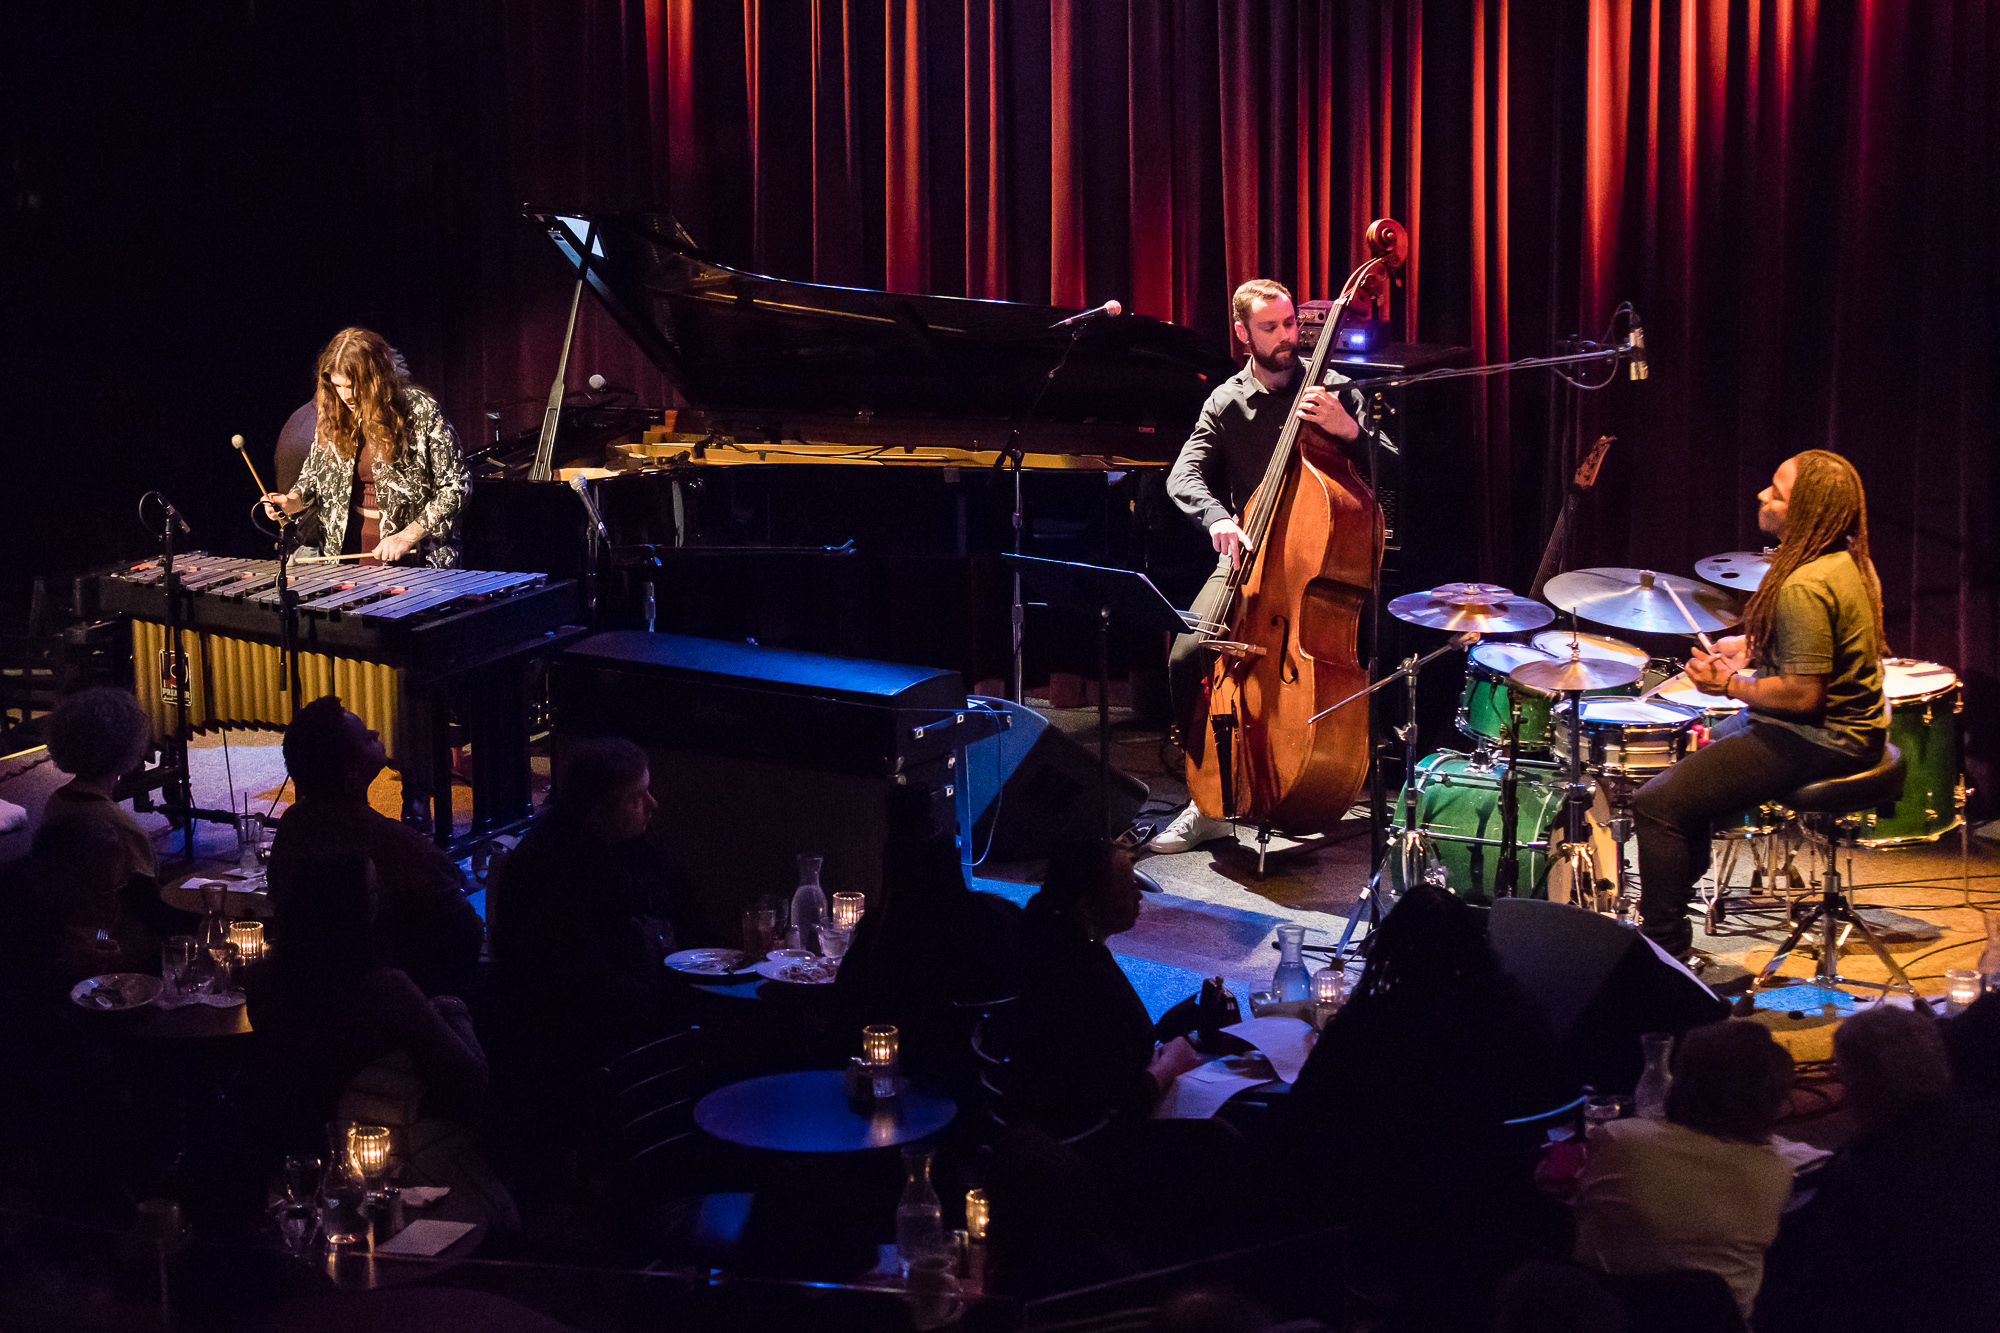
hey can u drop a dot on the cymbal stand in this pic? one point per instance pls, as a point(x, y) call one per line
point(1410, 842)
point(1507, 873)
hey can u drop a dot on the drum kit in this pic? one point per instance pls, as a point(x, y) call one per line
point(1567, 726)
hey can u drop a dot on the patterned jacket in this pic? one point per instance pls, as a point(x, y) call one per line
point(428, 484)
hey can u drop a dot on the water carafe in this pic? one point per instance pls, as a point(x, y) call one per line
point(1291, 983)
point(808, 906)
point(919, 1215)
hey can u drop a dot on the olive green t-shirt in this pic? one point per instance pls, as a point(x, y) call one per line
point(1825, 626)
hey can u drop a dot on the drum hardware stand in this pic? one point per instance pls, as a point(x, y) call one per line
point(1507, 873)
point(1411, 843)
point(1834, 910)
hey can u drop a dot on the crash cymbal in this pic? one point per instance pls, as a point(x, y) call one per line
point(1740, 571)
point(1637, 599)
point(1484, 607)
point(1575, 673)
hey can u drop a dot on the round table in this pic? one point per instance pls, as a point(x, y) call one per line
point(809, 1112)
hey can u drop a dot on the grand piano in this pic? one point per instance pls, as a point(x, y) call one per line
point(831, 482)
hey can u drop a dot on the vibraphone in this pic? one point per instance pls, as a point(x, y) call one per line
point(402, 647)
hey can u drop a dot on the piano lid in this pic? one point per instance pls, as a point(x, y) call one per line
point(733, 341)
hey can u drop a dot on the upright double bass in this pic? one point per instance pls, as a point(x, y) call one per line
point(1286, 635)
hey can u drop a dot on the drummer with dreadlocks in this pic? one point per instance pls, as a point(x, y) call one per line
point(1813, 632)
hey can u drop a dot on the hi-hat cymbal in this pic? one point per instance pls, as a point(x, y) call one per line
point(1575, 673)
point(1637, 599)
point(1740, 571)
point(1483, 607)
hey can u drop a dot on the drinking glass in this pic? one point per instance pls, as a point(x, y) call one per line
point(833, 941)
point(297, 1222)
point(177, 955)
point(222, 962)
point(343, 1201)
point(760, 931)
point(1599, 1110)
point(302, 1176)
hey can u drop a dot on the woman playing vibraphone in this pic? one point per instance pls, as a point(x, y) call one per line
point(385, 471)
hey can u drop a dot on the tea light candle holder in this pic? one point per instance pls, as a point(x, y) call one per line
point(248, 937)
point(848, 907)
point(878, 1048)
point(1329, 992)
point(368, 1152)
point(977, 1215)
point(1962, 987)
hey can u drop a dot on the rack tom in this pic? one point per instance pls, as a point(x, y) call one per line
point(1630, 739)
point(1488, 702)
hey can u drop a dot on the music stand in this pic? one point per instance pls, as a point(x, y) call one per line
point(1125, 593)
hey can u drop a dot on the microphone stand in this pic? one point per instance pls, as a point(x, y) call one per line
point(1012, 452)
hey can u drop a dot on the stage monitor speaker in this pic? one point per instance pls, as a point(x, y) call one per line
point(1601, 984)
point(1030, 788)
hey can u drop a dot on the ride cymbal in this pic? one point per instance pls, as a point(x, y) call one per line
point(1637, 599)
point(1483, 607)
point(1739, 571)
point(1575, 673)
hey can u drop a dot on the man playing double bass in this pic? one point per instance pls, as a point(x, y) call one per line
point(1218, 469)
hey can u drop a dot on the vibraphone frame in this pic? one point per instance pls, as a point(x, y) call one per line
point(401, 646)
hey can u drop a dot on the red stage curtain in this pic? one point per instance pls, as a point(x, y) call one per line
point(1797, 195)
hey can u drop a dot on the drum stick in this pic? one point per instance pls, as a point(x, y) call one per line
point(331, 559)
point(1705, 644)
point(238, 442)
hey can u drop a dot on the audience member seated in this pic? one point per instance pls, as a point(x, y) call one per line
point(1084, 1045)
point(98, 736)
point(927, 945)
point(1085, 1061)
point(344, 1036)
point(427, 928)
point(581, 916)
point(1972, 1044)
point(1703, 1188)
point(1396, 1119)
point(85, 913)
point(1903, 1227)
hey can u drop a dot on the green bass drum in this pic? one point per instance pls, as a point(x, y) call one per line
point(1458, 809)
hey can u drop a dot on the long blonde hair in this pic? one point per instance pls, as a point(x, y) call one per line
point(381, 382)
point(1827, 509)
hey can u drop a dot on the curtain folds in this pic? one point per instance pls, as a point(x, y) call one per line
point(1796, 195)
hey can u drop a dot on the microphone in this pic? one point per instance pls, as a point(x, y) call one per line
point(581, 485)
point(174, 516)
point(1109, 310)
point(1635, 352)
point(599, 383)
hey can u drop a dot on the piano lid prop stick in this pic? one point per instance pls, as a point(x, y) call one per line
point(1705, 644)
point(237, 442)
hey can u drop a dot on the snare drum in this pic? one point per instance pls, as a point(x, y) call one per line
point(1711, 709)
point(1924, 704)
point(1625, 738)
point(1486, 705)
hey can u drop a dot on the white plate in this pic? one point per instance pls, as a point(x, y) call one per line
point(773, 969)
point(131, 990)
point(710, 963)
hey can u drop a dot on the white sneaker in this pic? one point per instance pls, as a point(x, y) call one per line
point(1190, 829)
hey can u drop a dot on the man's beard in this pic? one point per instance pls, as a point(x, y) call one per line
point(1280, 360)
